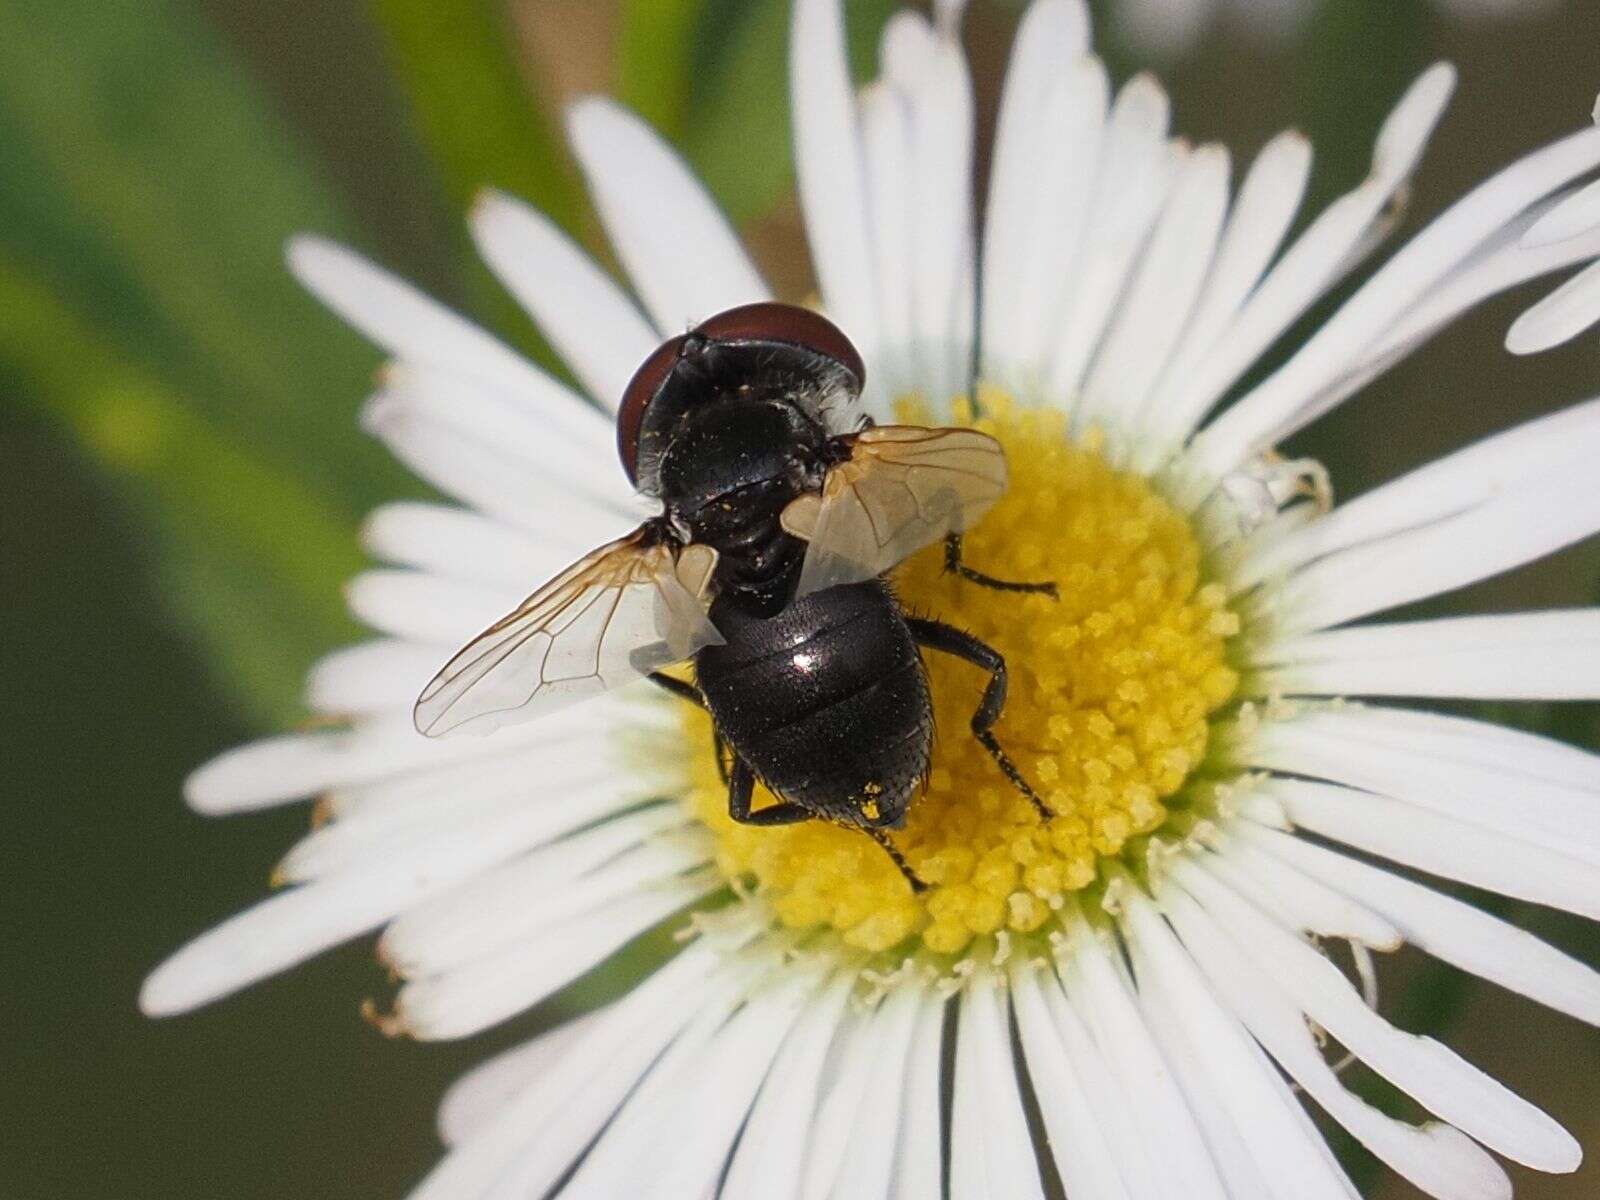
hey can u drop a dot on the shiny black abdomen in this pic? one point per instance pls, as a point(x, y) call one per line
point(827, 701)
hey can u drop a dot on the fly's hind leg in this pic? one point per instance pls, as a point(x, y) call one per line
point(896, 857)
point(742, 786)
point(936, 635)
point(953, 563)
point(687, 691)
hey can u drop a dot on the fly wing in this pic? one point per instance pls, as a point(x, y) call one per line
point(903, 488)
point(626, 609)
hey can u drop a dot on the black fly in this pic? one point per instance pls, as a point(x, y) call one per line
point(782, 512)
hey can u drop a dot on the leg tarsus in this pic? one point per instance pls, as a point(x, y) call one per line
point(936, 635)
point(953, 563)
point(896, 857)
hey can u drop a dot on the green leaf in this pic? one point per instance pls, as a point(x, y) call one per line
point(145, 194)
point(146, 180)
point(475, 111)
point(248, 559)
point(655, 47)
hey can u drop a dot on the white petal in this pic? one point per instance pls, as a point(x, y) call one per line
point(474, 1100)
point(474, 548)
point(614, 1163)
point(1301, 903)
point(919, 1153)
point(672, 1139)
point(1074, 1109)
point(1041, 242)
point(1441, 846)
point(426, 608)
point(1431, 1073)
point(535, 1138)
point(991, 1150)
point(1161, 294)
point(1262, 213)
point(767, 1163)
point(868, 1169)
point(371, 677)
point(1577, 214)
point(1319, 257)
point(839, 1112)
point(1460, 739)
point(291, 766)
point(1334, 746)
point(1513, 656)
point(1185, 1167)
point(829, 171)
point(1137, 167)
point(1225, 1065)
point(545, 887)
point(1561, 316)
point(414, 328)
point(931, 72)
point(1437, 1158)
point(569, 448)
point(373, 821)
point(591, 323)
point(1235, 1163)
point(892, 192)
point(1537, 519)
point(679, 250)
point(467, 999)
point(1448, 929)
point(294, 925)
point(1502, 264)
point(1482, 474)
point(467, 464)
point(1296, 394)
point(1051, 39)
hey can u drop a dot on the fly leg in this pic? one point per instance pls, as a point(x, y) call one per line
point(742, 786)
point(936, 635)
point(952, 562)
point(896, 857)
point(687, 691)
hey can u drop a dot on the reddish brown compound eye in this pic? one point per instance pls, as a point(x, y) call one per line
point(636, 397)
point(770, 321)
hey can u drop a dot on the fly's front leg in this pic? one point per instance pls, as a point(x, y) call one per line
point(936, 635)
point(953, 563)
point(687, 691)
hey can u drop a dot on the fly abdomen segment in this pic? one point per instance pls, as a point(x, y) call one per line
point(827, 701)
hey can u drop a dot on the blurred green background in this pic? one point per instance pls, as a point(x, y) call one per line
point(181, 479)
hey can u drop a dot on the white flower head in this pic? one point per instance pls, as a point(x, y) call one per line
point(1162, 946)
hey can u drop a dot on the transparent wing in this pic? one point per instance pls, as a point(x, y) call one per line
point(903, 488)
point(626, 609)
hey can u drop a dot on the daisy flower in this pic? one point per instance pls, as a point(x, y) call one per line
point(1173, 26)
point(1135, 995)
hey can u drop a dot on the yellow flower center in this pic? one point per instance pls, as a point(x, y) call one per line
point(1111, 691)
